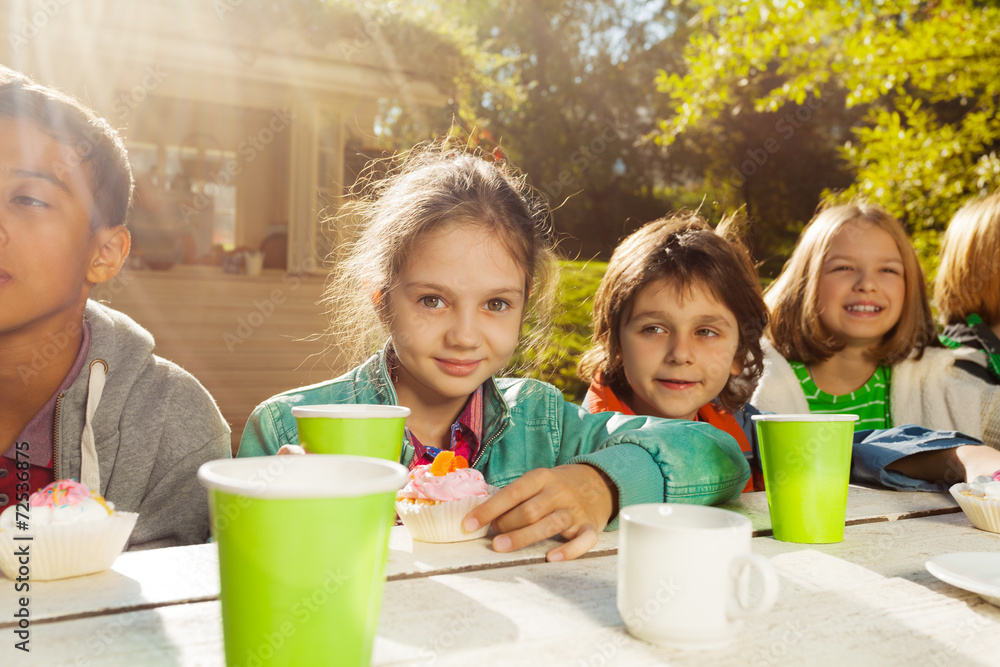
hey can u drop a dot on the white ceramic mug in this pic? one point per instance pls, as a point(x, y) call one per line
point(683, 574)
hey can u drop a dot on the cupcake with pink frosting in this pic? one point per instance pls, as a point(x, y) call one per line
point(438, 496)
point(67, 531)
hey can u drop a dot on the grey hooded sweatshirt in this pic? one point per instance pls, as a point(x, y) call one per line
point(153, 425)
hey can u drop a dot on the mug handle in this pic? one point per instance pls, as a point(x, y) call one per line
point(736, 608)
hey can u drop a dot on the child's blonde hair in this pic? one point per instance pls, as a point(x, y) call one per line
point(686, 251)
point(796, 330)
point(968, 277)
point(433, 186)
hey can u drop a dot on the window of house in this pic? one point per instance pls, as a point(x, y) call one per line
point(184, 211)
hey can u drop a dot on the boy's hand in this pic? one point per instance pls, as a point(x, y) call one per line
point(575, 501)
point(291, 449)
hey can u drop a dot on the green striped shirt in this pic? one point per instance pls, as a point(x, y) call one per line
point(870, 402)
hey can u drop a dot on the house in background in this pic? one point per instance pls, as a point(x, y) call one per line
point(244, 131)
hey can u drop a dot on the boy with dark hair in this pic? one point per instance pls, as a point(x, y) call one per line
point(81, 394)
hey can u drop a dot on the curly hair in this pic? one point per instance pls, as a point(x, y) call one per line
point(686, 252)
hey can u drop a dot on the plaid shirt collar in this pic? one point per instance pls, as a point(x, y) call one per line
point(466, 434)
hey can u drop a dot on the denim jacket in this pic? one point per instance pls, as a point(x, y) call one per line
point(528, 424)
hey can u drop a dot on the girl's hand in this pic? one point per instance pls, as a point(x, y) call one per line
point(291, 449)
point(957, 464)
point(575, 501)
point(978, 460)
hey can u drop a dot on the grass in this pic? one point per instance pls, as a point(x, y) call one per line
point(571, 328)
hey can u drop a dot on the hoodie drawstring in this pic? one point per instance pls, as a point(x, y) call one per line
point(90, 471)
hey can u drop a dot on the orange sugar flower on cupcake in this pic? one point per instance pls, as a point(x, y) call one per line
point(438, 496)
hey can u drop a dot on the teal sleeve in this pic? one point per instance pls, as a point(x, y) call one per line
point(260, 436)
point(656, 460)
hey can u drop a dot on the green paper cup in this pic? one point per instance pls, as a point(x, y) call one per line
point(303, 542)
point(360, 430)
point(807, 465)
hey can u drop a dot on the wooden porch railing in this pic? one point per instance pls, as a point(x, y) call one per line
point(241, 336)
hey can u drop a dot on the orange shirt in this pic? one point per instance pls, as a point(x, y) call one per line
point(600, 398)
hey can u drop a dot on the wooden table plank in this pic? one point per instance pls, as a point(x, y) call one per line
point(864, 601)
point(138, 580)
point(187, 634)
point(178, 575)
point(864, 505)
point(143, 579)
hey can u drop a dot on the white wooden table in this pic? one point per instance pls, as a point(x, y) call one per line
point(865, 601)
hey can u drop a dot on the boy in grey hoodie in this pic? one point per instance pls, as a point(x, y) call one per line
point(81, 394)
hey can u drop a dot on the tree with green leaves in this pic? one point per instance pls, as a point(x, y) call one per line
point(563, 87)
point(907, 90)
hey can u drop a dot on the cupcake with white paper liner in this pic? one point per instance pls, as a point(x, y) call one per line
point(73, 531)
point(980, 500)
point(437, 497)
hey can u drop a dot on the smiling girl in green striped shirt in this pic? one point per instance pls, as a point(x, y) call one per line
point(851, 332)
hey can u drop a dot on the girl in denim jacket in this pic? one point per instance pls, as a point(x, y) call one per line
point(453, 264)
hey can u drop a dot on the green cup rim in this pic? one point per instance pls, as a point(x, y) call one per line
point(805, 418)
point(260, 476)
point(351, 411)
